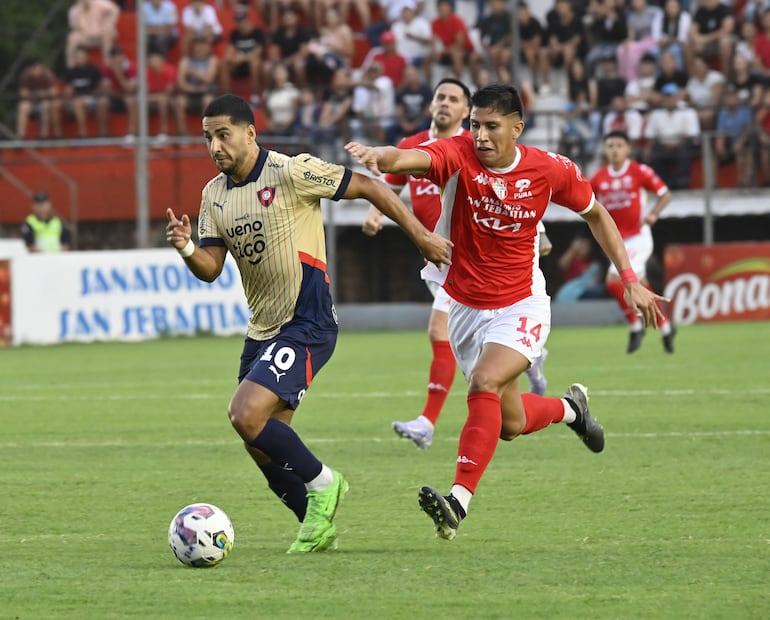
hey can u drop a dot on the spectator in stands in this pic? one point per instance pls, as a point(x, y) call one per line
point(83, 93)
point(577, 140)
point(671, 29)
point(413, 100)
point(330, 49)
point(290, 45)
point(704, 91)
point(746, 45)
point(640, 93)
point(161, 85)
point(161, 20)
point(763, 125)
point(281, 101)
point(306, 118)
point(38, 94)
point(196, 81)
point(602, 89)
point(581, 272)
point(92, 24)
point(748, 84)
point(495, 34)
point(271, 11)
point(606, 30)
point(414, 38)
point(393, 63)
point(452, 44)
point(531, 36)
point(668, 74)
point(734, 140)
point(762, 44)
point(373, 106)
point(577, 85)
point(343, 9)
point(564, 41)
point(671, 135)
point(640, 20)
point(621, 117)
point(120, 85)
point(336, 37)
point(711, 33)
point(334, 119)
point(243, 57)
point(43, 230)
point(200, 21)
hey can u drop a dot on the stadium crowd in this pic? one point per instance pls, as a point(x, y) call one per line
point(326, 71)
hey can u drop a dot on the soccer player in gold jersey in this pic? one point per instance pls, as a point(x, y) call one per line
point(264, 209)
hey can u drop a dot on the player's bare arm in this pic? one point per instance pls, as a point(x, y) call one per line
point(205, 263)
point(652, 217)
point(379, 159)
point(638, 298)
point(433, 247)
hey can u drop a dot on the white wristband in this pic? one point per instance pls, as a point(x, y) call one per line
point(187, 250)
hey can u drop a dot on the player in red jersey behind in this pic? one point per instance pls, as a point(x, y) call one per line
point(494, 193)
point(449, 107)
point(622, 186)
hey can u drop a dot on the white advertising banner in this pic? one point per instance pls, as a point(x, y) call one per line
point(120, 295)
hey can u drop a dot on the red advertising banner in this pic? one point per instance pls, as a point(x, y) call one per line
point(5, 302)
point(725, 282)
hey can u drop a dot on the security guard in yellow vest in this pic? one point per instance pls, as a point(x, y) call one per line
point(43, 230)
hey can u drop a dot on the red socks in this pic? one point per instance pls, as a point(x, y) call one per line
point(442, 374)
point(478, 439)
point(617, 290)
point(541, 411)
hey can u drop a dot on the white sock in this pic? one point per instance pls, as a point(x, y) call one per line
point(321, 481)
point(569, 412)
point(423, 420)
point(462, 495)
point(637, 326)
point(665, 329)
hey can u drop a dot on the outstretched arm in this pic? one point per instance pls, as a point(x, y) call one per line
point(640, 299)
point(381, 159)
point(433, 247)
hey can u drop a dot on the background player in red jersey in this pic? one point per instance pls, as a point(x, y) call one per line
point(495, 192)
point(449, 107)
point(622, 186)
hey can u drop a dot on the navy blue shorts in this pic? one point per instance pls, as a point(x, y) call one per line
point(287, 363)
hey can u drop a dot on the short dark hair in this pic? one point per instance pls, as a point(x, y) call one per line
point(456, 82)
point(617, 134)
point(502, 98)
point(237, 109)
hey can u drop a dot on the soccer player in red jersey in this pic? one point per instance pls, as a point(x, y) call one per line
point(622, 186)
point(449, 107)
point(494, 193)
point(263, 208)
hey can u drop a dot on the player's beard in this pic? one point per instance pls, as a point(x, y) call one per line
point(228, 167)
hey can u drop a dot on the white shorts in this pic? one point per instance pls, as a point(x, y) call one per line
point(524, 327)
point(441, 298)
point(639, 249)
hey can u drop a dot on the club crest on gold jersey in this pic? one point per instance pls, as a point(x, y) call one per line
point(266, 196)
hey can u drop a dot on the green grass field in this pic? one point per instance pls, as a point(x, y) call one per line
point(101, 444)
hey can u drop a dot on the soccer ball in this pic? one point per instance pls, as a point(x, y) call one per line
point(201, 535)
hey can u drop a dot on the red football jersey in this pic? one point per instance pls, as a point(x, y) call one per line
point(426, 201)
point(624, 193)
point(491, 216)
